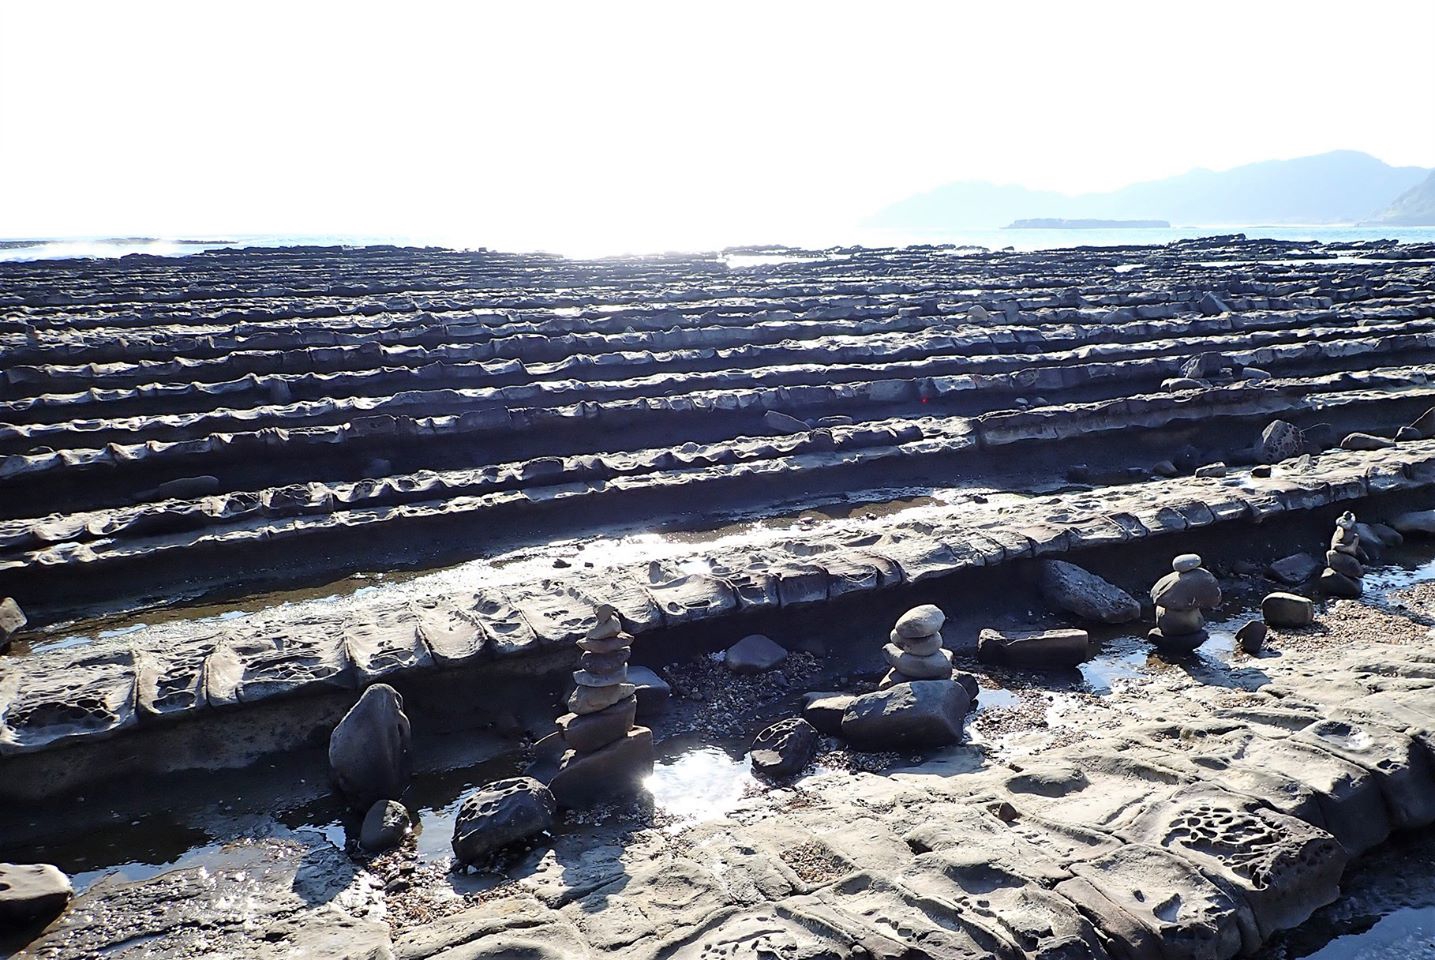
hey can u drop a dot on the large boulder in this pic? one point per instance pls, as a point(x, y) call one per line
point(1279, 441)
point(1287, 610)
point(499, 814)
point(31, 893)
point(1295, 569)
point(1034, 650)
point(754, 654)
point(617, 769)
point(1068, 587)
point(1419, 522)
point(784, 748)
point(923, 713)
point(369, 749)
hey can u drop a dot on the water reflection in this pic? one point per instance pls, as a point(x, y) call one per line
point(701, 784)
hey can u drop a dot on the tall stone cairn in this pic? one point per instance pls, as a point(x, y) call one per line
point(915, 650)
point(607, 755)
point(1343, 569)
point(1181, 598)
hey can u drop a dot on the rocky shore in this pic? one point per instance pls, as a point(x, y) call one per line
point(864, 517)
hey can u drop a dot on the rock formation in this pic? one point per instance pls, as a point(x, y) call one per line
point(12, 621)
point(1180, 598)
point(607, 755)
point(1343, 566)
point(499, 815)
point(369, 750)
point(915, 650)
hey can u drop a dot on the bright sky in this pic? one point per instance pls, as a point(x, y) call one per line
point(592, 125)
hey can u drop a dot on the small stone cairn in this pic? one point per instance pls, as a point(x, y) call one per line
point(607, 754)
point(915, 651)
point(1181, 597)
point(1343, 569)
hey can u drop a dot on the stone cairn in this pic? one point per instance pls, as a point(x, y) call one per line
point(1181, 597)
point(1343, 569)
point(607, 755)
point(915, 651)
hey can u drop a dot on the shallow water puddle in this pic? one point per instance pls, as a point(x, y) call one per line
point(699, 784)
point(1405, 934)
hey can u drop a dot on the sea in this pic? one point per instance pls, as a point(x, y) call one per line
point(30, 249)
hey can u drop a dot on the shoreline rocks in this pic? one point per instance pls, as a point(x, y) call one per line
point(369, 750)
point(1075, 590)
point(1034, 650)
point(1181, 597)
point(915, 650)
point(12, 621)
point(498, 815)
point(32, 893)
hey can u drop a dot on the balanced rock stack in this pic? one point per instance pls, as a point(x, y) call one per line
point(915, 651)
point(1181, 597)
point(1343, 569)
point(607, 755)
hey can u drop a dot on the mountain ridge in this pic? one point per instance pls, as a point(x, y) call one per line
point(1342, 186)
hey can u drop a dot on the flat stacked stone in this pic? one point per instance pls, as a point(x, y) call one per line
point(1181, 597)
point(1343, 567)
point(607, 755)
point(915, 651)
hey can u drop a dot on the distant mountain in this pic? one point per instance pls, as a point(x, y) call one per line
point(1340, 187)
point(1413, 208)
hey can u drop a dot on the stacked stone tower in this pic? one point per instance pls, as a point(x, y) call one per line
point(1181, 597)
point(607, 755)
point(1343, 568)
point(915, 651)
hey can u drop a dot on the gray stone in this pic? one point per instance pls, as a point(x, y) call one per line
point(1279, 441)
point(1295, 569)
point(586, 699)
point(31, 893)
point(824, 711)
point(1186, 562)
point(782, 423)
point(931, 667)
point(1344, 564)
point(653, 691)
point(917, 646)
point(585, 678)
point(1287, 610)
point(1213, 470)
point(1034, 650)
point(1334, 584)
point(586, 732)
point(1070, 588)
point(12, 621)
point(1173, 623)
point(615, 770)
point(1379, 533)
point(1187, 590)
point(1415, 522)
point(1252, 636)
point(1365, 441)
point(923, 713)
point(605, 663)
point(500, 814)
point(785, 748)
point(369, 749)
point(385, 825)
point(1424, 425)
point(754, 654)
point(923, 621)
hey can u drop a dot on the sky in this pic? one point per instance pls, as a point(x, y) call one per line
point(599, 127)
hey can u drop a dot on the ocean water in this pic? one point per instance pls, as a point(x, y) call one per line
point(22, 249)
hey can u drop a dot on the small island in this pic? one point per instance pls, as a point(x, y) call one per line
point(1056, 223)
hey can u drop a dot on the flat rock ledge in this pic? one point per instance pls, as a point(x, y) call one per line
point(168, 672)
point(1176, 819)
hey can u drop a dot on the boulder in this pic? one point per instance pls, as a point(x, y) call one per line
point(1187, 590)
point(586, 732)
point(1279, 441)
point(785, 748)
point(923, 621)
point(1365, 441)
point(1379, 533)
point(824, 711)
point(754, 654)
point(1424, 425)
point(1336, 584)
point(385, 825)
point(653, 690)
point(968, 683)
point(1294, 569)
point(1178, 384)
point(1212, 470)
point(1252, 636)
point(369, 749)
point(31, 893)
point(1068, 587)
point(499, 814)
point(12, 621)
point(1287, 610)
point(923, 713)
point(1035, 650)
point(1420, 522)
point(1177, 643)
point(1164, 468)
point(619, 768)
